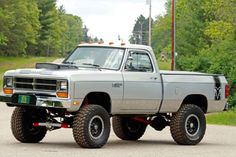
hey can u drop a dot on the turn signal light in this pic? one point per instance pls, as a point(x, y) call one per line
point(62, 94)
point(8, 91)
point(226, 91)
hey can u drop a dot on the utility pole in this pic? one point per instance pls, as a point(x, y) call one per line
point(48, 49)
point(150, 23)
point(141, 33)
point(173, 36)
point(149, 2)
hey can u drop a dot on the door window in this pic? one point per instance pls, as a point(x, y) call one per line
point(138, 62)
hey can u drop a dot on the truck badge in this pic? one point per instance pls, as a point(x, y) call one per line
point(116, 85)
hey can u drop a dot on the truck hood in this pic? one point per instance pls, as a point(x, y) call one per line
point(58, 74)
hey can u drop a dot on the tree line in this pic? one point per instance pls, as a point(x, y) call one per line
point(205, 37)
point(39, 28)
point(140, 31)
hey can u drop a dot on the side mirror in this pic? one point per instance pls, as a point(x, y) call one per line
point(130, 58)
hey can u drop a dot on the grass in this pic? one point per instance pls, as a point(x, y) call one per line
point(166, 65)
point(223, 118)
point(10, 63)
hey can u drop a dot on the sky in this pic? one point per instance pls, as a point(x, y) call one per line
point(108, 19)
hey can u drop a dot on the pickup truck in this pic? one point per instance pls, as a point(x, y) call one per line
point(97, 82)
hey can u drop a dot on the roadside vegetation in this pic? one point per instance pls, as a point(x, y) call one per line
point(223, 118)
point(205, 37)
point(164, 65)
point(9, 63)
point(205, 42)
point(42, 30)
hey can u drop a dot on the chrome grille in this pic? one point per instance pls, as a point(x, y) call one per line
point(35, 84)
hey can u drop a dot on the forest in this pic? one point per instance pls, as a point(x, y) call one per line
point(205, 37)
point(38, 28)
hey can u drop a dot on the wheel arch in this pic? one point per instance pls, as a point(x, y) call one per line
point(197, 99)
point(99, 98)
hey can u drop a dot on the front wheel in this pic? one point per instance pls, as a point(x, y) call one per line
point(188, 125)
point(91, 126)
point(22, 124)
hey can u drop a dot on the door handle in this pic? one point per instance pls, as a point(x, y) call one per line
point(153, 78)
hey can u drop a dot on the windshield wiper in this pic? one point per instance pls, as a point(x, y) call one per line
point(93, 65)
point(68, 62)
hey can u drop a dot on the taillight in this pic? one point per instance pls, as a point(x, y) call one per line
point(226, 91)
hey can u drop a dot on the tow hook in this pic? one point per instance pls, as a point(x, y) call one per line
point(51, 126)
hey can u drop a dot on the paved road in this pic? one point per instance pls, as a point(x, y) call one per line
point(219, 141)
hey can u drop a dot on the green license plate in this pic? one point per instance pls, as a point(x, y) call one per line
point(24, 99)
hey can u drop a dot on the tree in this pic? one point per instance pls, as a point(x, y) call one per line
point(161, 34)
point(86, 38)
point(19, 25)
point(73, 32)
point(50, 32)
point(205, 37)
point(140, 31)
point(38, 27)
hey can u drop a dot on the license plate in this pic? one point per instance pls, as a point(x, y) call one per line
point(24, 99)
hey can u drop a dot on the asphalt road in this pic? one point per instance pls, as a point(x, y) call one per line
point(219, 141)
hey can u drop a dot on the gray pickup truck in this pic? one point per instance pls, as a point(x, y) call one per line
point(99, 81)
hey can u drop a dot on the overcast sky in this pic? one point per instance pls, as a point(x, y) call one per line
point(109, 18)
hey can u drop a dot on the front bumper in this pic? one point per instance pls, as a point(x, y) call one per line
point(37, 101)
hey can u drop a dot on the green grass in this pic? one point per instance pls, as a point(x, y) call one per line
point(222, 118)
point(11, 63)
point(164, 65)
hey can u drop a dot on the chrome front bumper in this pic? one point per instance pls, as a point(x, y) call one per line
point(47, 102)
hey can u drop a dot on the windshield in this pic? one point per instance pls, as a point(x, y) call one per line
point(97, 57)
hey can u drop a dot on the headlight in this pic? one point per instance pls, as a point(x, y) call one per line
point(8, 85)
point(63, 85)
point(62, 91)
point(8, 82)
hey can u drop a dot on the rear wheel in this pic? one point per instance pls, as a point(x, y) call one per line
point(127, 129)
point(91, 126)
point(22, 124)
point(188, 125)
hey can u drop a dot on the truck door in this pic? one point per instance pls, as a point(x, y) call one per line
point(142, 84)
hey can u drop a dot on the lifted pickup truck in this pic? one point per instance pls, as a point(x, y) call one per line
point(99, 81)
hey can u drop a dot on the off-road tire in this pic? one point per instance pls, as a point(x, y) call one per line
point(84, 121)
point(188, 125)
point(22, 125)
point(122, 127)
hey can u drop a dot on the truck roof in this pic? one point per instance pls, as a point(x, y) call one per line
point(117, 45)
